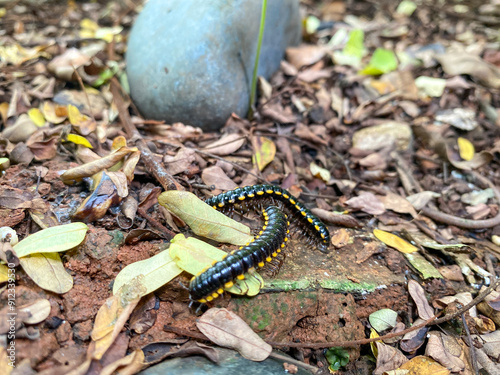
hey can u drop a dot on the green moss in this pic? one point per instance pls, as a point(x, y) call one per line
point(347, 286)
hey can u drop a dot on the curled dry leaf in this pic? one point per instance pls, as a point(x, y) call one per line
point(420, 200)
point(203, 219)
point(113, 315)
point(417, 293)
point(227, 329)
point(397, 203)
point(423, 365)
point(414, 339)
point(335, 218)
point(93, 167)
point(35, 312)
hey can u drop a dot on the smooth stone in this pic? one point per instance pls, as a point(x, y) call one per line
point(191, 61)
point(230, 363)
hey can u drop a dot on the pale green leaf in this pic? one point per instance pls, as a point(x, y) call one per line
point(47, 271)
point(155, 271)
point(203, 219)
point(382, 61)
point(354, 46)
point(406, 8)
point(52, 240)
point(383, 319)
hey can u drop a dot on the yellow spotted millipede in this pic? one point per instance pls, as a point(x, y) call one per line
point(267, 245)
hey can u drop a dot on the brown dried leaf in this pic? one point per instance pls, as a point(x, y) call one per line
point(227, 329)
point(184, 158)
point(366, 202)
point(215, 176)
point(414, 339)
point(226, 145)
point(417, 293)
point(388, 358)
point(334, 218)
point(445, 350)
point(304, 55)
point(453, 272)
point(91, 168)
point(397, 203)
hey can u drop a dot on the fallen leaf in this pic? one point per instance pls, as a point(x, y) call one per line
point(366, 202)
point(226, 145)
point(47, 271)
point(420, 200)
point(453, 272)
point(203, 219)
point(423, 266)
point(227, 329)
point(113, 315)
point(216, 176)
point(78, 140)
point(264, 151)
point(155, 272)
point(458, 63)
point(35, 312)
point(425, 311)
point(424, 365)
point(398, 204)
point(130, 364)
point(383, 319)
point(460, 118)
point(394, 241)
point(429, 86)
point(382, 61)
point(51, 240)
point(319, 172)
point(304, 55)
point(388, 358)
point(413, 340)
point(37, 117)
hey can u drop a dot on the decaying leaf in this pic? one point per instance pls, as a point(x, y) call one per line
point(51, 240)
point(366, 202)
point(226, 145)
point(154, 272)
point(424, 365)
point(35, 312)
point(227, 329)
point(47, 271)
point(216, 176)
point(418, 294)
point(394, 241)
point(203, 219)
point(264, 151)
point(388, 358)
point(113, 315)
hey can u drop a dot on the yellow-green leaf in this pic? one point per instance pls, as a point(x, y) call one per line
point(194, 256)
point(317, 171)
point(75, 117)
point(4, 273)
point(264, 151)
point(47, 271)
point(465, 148)
point(203, 219)
point(156, 271)
point(79, 140)
point(394, 241)
point(36, 116)
point(52, 240)
point(374, 334)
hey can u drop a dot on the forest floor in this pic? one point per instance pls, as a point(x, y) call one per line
point(385, 123)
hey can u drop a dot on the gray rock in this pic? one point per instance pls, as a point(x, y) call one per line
point(191, 61)
point(230, 363)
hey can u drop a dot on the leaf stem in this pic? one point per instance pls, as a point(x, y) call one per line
point(253, 87)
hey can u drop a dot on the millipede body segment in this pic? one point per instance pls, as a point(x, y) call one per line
point(266, 246)
point(257, 194)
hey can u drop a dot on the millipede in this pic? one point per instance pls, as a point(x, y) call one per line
point(265, 247)
point(259, 195)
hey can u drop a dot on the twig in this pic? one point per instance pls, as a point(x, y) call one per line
point(472, 349)
point(155, 223)
point(295, 362)
point(164, 178)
